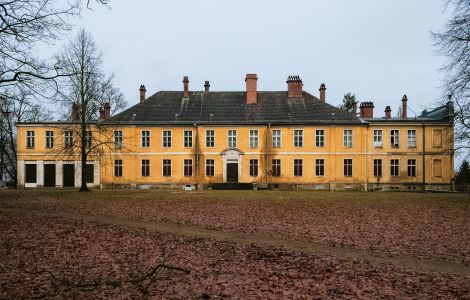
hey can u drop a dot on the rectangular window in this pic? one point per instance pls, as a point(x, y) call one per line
point(232, 138)
point(253, 138)
point(253, 167)
point(377, 168)
point(90, 173)
point(118, 139)
point(437, 168)
point(412, 138)
point(276, 138)
point(188, 167)
point(30, 173)
point(210, 167)
point(276, 167)
point(49, 139)
point(378, 138)
point(412, 167)
point(298, 167)
point(118, 167)
point(320, 167)
point(298, 138)
point(68, 139)
point(348, 167)
point(145, 138)
point(166, 135)
point(210, 138)
point(348, 138)
point(167, 167)
point(394, 167)
point(145, 167)
point(395, 138)
point(30, 139)
point(188, 139)
point(320, 138)
point(88, 139)
point(437, 138)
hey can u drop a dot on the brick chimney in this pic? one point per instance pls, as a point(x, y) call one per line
point(367, 109)
point(404, 110)
point(322, 93)
point(186, 86)
point(206, 87)
point(142, 93)
point(251, 90)
point(388, 112)
point(294, 86)
point(107, 111)
point(74, 115)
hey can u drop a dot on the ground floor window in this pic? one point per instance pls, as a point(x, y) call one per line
point(167, 167)
point(412, 167)
point(320, 167)
point(297, 167)
point(348, 167)
point(188, 167)
point(145, 167)
point(377, 167)
point(30, 173)
point(276, 167)
point(394, 167)
point(210, 167)
point(253, 167)
point(118, 167)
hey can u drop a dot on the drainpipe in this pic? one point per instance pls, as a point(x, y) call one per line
point(197, 156)
point(267, 155)
point(424, 157)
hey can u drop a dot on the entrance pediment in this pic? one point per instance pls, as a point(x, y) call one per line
point(232, 153)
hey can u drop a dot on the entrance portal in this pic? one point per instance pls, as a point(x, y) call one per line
point(49, 175)
point(69, 175)
point(232, 172)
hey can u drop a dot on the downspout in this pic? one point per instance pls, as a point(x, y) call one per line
point(197, 156)
point(267, 155)
point(424, 156)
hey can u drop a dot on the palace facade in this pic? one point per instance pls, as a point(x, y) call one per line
point(196, 139)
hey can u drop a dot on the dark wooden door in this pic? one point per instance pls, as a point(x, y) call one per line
point(232, 172)
point(30, 170)
point(49, 175)
point(69, 175)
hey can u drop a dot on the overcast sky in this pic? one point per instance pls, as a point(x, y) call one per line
point(378, 50)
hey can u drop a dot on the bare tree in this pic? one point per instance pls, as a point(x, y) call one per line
point(88, 90)
point(454, 43)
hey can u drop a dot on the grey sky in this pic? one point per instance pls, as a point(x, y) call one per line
point(378, 50)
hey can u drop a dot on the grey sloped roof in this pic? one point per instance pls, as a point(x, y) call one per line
point(169, 107)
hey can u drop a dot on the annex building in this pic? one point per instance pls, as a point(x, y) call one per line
point(290, 138)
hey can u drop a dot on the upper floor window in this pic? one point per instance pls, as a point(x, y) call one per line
point(166, 138)
point(88, 139)
point(68, 139)
point(118, 139)
point(145, 138)
point(377, 168)
point(210, 167)
point(30, 139)
point(188, 167)
point(320, 167)
point(276, 167)
point(412, 167)
point(394, 138)
point(412, 138)
point(320, 138)
point(118, 167)
point(298, 167)
point(378, 138)
point(49, 139)
point(348, 138)
point(276, 138)
point(145, 167)
point(298, 138)
point(394, 167)
point(210, 138)
point(188, 138)
point(253, 167)
point(232, 138)
point(348, 171)
point(253, 138)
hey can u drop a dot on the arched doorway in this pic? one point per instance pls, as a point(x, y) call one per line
point(232, 160)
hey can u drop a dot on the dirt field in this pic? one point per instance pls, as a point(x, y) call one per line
point(233, 244)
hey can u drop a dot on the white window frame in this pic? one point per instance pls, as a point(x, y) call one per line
point(377, 138)
point(320, 138)
point(118, 139)
point(323, 163)
point(188, 140)
point(145, 143)
point(395, 139)
point(411, 138)
point(68, 139)
point(185, 164)
point(301, 167)
point(231, 139)
point(167, 139)
point(210, 165)
point(412, 166)
point(142, 167)
point(344, 165)
point(49, 142)
point(254, 138)
point(275, 138)
point(30, 139)
point(393, 166)
point(348, 135)
point(163, 167)
point(211, 138)
point(298, 139)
